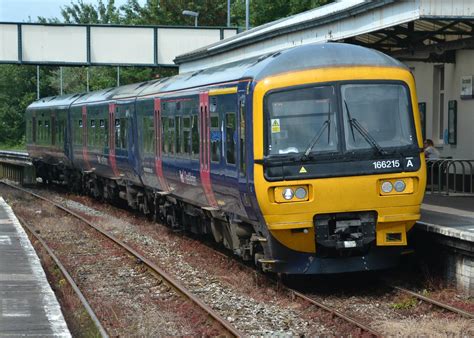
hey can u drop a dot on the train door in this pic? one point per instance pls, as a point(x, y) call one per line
point(158, 145)
point(244, 152)
point(204, 148)
point(53, 128)
point(33, 127)
point(85, 153)
point(112, 158)
point(229, 125)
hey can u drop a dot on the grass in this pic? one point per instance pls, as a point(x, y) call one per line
point(405, 304)
point(10, 147)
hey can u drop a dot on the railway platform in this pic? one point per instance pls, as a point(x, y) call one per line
point(28, 306)
point(445, 234)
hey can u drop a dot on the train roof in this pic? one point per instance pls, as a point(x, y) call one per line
point(294, 59)
point(321, 55)
point(59, 101)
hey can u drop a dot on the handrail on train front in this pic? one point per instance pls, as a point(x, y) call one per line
point(448, 168)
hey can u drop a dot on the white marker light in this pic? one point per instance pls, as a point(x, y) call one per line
point(300, 193)
point(288, 194)
point(387, 187)
point(400, 185)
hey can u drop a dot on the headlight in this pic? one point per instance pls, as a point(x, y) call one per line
point(288, 194)
point(399, 186)
point(387, 187)
point(301, 193)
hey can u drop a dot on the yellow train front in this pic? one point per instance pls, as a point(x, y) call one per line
point(338, 172)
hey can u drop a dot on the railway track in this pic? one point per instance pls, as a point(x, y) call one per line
point(364, 328)
point(152, 267)
point(67, 277)
point(433, 301)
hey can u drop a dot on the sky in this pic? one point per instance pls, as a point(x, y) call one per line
point(22, 10)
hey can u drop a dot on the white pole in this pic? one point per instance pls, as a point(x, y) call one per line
point(61, 80)
point(87, 79)
point(37, 82)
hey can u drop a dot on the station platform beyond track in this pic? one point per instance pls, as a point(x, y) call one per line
point(449, 216)
point(28, 306)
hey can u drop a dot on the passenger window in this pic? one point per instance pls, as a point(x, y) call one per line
point(78, 133)
point(148, 135)
point(172, 135)
point(215, 139)
point(121, 133)
point(165, 133)
point(117, 133)
point(179, 135)
point(230, 132)
point(187, 135)
point(195, 136)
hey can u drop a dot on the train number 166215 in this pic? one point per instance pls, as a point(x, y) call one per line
point(386, 164)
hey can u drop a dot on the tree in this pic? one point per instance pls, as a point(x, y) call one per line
point(84, 13)
point(262, 11)
point(17, 91)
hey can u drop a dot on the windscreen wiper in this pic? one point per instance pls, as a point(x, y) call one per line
point(316, 138)
point(354, 123)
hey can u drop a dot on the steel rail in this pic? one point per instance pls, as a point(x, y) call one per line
point(68, 277)
point(434, 302)
point(337, 313)
point(152, 267)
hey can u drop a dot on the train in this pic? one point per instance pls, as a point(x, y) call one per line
point(305, 161)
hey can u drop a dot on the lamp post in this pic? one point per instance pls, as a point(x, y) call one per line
point(194, 14)
point(228, 13)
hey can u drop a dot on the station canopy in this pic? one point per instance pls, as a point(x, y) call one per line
point(419, 30)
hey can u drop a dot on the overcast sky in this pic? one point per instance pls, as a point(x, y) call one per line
point(21, 10)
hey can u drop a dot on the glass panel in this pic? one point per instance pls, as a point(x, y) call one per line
point(166, 136)
point(216, 139)
point(381, 110)
point(179, 135)
point(195, 136)
point(231, 137)
point(187, 135)
point(302, 120)
point(172, 135)
point(243, 163)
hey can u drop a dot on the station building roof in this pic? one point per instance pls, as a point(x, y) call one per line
point(421, 30)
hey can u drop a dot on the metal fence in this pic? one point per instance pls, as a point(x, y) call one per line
point(450, 176)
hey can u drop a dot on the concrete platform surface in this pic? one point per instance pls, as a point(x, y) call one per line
point(449, 216)
point(28, 306)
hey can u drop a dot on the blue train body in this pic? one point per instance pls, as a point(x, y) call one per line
point(193, 151)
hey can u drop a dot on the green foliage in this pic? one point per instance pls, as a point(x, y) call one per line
point(265, 11)
point(86, 13)
point(17, 91)
point(405, 304)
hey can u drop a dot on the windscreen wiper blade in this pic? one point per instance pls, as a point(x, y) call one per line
point(354, 123)
point(316, 138)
